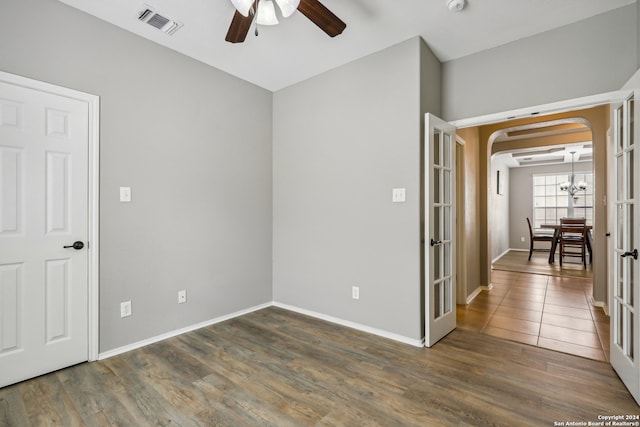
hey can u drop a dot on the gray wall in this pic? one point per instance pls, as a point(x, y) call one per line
point(336, 160)
point(521, 204)
point(592, 56)
point(499, 207)
point(171, 129)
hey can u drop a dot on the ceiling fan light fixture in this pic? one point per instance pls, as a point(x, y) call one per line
point(266, 14)
point(242, 6)
point(287, 7)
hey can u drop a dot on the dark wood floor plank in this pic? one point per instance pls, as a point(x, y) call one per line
point(138, 396)
point(275, 367)
point(40, 407)
point(12, 409)
point(94, 389)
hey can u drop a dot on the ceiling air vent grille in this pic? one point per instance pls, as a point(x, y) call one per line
point(153, 18)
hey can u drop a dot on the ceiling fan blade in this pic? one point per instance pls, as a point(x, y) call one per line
point(239, 26)
point(322, 17)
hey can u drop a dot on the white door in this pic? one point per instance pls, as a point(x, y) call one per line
point(43, 208)
point(440, 226)
point(623, 298)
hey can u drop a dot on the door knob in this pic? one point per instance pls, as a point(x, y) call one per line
point(76, 245)
point(633, 253)
point(436, 242)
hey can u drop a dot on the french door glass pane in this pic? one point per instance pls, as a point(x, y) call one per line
point(632, 107)
point(437, 274)
point(632, 224)
point(632, 281)
point(447, 260)
point(436, 300)
point(447, 296)
point(619, 119)
point(630, 344)
point(437, 196)
point(630, 174)
point(619, 280)
point(620, 178)
point(620, 227)
point(436, 147)
point(447, 222)
point(446, 151)
point(619, 335)
point(447, 186)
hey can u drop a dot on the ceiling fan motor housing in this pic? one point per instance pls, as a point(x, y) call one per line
point(455, 5)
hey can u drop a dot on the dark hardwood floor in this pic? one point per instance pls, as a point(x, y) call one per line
point(275, 367)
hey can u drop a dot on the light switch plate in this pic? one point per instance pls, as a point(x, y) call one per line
point(399, 195)
point(125, 194)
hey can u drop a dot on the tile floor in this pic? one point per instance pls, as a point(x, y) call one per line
point(545, 311)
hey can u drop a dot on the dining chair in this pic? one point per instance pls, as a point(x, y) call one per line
point(573, 239)
point(537, 237)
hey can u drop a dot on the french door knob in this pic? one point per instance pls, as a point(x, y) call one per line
point(76, 245)
point(633, 253)
point(436, 242)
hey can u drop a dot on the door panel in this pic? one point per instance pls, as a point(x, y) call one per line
point(624, 296)
point(43, 207)
point(439, 185)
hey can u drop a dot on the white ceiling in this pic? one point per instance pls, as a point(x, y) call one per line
point(296, 49)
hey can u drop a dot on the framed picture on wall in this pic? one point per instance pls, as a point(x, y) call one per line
point(499, 184)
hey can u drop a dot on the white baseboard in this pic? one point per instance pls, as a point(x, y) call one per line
point(474, 294)
point(180, 331)
point(477, 291)
point(500, 256)
point(353, 325)
point(600, 304)
point(171, 334)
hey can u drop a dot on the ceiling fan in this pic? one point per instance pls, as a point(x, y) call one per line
point(264, 13)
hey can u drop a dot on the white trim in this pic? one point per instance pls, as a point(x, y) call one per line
point(180, 331)
point(352, 325)
point(93, 236)
point(93, 188)
point(543, 109)
point(500, 256)
point(475, 293)
point(540, 110)
point(633, 82)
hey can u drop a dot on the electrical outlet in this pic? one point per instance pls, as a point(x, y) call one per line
point(182, 296)
point(355, 292)
point(522, 239)
point(125, 309)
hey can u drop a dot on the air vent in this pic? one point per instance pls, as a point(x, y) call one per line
point(162, 23)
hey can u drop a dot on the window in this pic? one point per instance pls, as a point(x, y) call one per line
point(550, 203)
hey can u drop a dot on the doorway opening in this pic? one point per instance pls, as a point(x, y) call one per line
point(537, 302)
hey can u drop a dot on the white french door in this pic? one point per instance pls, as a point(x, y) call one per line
point(623, 297)
point(440, 227)
point(44, 143)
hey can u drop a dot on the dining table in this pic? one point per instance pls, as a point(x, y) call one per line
point(556, 239)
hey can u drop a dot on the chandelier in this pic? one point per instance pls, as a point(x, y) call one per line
point(266, 13)
point(572, 187)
